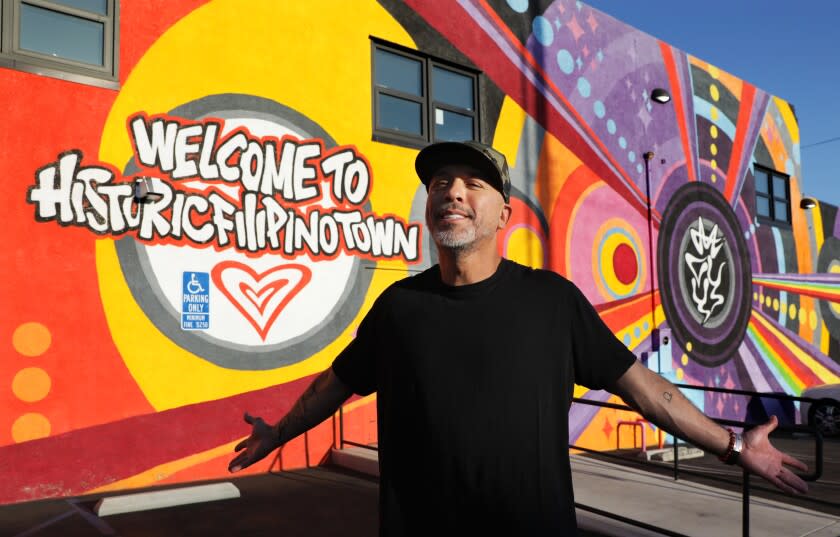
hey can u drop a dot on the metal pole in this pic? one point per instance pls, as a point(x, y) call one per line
point(341, 427)
point(745, 505)
point(676, 458)
point(647, 156)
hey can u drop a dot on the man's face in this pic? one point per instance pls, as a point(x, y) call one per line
point(463, 211)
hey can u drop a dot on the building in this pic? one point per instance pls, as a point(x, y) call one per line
point(205, 197)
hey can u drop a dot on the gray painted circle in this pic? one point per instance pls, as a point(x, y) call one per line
point(138, 274)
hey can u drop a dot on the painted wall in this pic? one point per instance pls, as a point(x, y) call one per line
point(136, 336)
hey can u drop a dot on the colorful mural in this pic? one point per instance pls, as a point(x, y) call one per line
point(139, 332)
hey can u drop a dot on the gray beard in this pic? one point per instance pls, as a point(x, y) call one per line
point(454, 240)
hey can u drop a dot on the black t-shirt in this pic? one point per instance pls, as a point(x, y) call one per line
point(473, 387)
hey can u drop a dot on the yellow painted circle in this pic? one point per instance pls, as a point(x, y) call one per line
point(714, 113)
point(713, 149)
point(31, 384)
point(775, 304)
point(31, 339)
point(803, 315)
point(714, 164)
point(610, 244)
point(680, 373)
point(792, 311)
point(217, 63)
point(684, 359)
point(755, 296)
point(714, 178)
point(524, 247)
point(31, 426)
point(714, 92)
point(713, 130)
point(613, 233)
point(688, 346)
point(768, 301)
point(714, 72)
point(812, 319)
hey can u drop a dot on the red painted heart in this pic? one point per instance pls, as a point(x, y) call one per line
point(260, 298)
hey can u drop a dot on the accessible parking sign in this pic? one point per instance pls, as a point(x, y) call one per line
point(195, 308)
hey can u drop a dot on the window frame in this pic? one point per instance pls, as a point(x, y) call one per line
point(15, 57)
point(427, 102)
point(772, 197)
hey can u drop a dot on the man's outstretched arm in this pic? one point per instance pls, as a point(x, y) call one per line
point(320, 401)
point(662, 403)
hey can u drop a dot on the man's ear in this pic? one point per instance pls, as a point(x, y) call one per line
point(504, 216)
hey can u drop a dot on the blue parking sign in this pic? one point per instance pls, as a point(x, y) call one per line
point(195, 307)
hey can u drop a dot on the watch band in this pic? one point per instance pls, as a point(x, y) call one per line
point(733, 450)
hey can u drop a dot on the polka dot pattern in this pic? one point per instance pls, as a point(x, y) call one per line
point(31, 384)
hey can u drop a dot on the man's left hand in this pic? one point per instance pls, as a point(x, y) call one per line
point(761, 458)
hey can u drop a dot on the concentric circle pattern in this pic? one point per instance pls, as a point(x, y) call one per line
point(703, 263)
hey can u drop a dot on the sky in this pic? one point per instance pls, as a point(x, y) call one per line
point(790, 49)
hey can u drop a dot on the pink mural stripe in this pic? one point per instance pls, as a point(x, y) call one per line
point(741, 131)
point(679, 106)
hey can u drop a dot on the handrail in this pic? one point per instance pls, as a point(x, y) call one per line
point(818, 444)
point(745, 492)
point(745, 483)
point(769, 395)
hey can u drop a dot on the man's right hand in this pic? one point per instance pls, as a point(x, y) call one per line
point(263, 440)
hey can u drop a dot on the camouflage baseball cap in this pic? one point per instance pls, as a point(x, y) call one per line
point(482, 157)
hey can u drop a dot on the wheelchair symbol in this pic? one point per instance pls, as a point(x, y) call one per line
point(194, 286)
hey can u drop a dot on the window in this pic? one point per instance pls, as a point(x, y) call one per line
point(772, 195)
point(72, 39)
point(418, 99)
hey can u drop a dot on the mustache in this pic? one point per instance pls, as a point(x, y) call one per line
point(443, 209)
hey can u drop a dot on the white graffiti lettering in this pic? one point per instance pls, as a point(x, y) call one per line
point(704, 280)
point(271, 213)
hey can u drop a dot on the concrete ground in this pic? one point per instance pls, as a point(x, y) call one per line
point(336, 500)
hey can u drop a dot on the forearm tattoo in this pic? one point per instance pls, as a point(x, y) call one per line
point(667, 396)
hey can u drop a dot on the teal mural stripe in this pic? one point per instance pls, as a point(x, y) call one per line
point(780, 260)
point(703, 108)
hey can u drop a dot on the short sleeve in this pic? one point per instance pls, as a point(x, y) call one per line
point(355, 366)
point(599, 357)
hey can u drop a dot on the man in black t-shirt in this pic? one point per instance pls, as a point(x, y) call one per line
point(474, 363)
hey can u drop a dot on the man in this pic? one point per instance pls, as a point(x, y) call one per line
point(474, 363)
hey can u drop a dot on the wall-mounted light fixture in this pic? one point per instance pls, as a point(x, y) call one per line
point(807, 203)
point(143, 192)
point(660, 95)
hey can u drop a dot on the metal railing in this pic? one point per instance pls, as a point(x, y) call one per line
point(342, 441)
point(745, 482)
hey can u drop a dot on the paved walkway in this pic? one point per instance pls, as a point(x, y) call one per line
point(684, 506)
point(341, 500)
